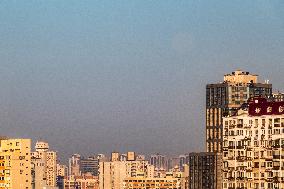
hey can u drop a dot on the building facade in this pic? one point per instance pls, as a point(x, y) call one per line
point(205, 170)
point(278, 97)
point(170, 180)
point(74, 165)
point(44, 164)
point(81, 182)
point(89, 165)
point(159, 162)
point(112, 173)
point(62, 170)
point(15, 164)
point(253, 152)
point(225, 98)
point(152, 183)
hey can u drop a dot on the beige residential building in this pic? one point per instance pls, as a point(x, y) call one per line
point(113, 173)
point(38, 173)
point(152, 183)
point(51, 166)
point(44, 163)
point(15, 164)
point(171, 180)
point(62, 170)
point(82, 182)
point(253, 155)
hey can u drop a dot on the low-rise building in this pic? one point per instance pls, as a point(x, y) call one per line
point(82, 182)
point(152, 183)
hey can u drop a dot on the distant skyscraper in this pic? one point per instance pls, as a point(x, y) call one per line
point(122, 157)
point(140, 157)
point(116, 157)
point(183, 159)
point(131, 156)
point(89, 165)
point(225, 98)
point(172, 163)
point(159, 161)
point(74, 165)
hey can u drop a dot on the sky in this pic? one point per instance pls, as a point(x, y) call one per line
point(100, 76)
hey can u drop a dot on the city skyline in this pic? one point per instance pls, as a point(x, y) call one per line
point(122, 77)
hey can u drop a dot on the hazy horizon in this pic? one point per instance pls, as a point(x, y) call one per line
point(94, 77)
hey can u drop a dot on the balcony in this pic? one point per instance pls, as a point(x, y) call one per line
point(276, 168)
point(241, 158)
point(239, 125)
point(268, 169)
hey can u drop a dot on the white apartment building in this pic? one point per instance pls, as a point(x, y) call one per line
point(253, 155)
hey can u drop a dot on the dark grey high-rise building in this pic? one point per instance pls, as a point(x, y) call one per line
point(89, 165)
point(205, 170)
point(225, 98)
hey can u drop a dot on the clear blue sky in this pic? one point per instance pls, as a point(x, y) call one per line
point(98, 76)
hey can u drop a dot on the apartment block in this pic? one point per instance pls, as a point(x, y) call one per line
point(225, 98)
point(15, 164)
point(44, 164)
point(112, 173)
point(62, 170)
point(253, 152)
point(81, 182)
point(89, 165)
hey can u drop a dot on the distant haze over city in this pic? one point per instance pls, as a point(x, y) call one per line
point(99, 77)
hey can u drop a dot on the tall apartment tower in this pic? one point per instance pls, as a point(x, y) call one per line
point(44, 164)
point(15, 164)
point(223, 99)
point(205, 170)
point(253, 146)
